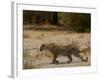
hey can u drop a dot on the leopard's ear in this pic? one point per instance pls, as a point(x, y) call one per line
point(43, 45)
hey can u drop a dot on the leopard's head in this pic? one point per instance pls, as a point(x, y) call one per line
point(42, 47)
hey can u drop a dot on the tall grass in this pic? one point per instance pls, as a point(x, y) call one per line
point(30, 60)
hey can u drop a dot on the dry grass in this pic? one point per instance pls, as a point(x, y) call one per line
point(33, 58)
point(29, 60)
point(26, 35)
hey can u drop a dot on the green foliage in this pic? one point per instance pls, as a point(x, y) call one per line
point(78, 22)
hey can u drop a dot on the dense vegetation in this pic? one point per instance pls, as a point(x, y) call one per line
point(78, 22)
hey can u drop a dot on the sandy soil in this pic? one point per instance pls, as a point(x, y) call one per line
point(33, 39)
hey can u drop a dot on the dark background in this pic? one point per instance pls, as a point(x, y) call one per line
point(75, 22)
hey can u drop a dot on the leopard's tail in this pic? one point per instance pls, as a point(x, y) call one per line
point(85, 60)
point(85, 50)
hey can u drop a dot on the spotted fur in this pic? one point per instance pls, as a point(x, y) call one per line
point(62, 50)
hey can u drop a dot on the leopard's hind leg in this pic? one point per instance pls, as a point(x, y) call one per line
point(81, 57)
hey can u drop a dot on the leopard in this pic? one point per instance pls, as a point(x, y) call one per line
point(67, 50)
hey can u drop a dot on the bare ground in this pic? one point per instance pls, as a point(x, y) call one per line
point(33, 39)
